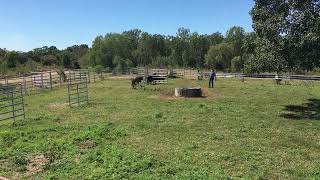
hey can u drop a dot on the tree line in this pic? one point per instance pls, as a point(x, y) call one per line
point(13, 62)
point(286, 38)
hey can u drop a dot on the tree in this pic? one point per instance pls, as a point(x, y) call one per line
point(11, 59)
point(3, 67)
point(236, 64)
point(235, 36)
point(120, 63)
point(292, 29)
point(49, 60)
point(215, 38)
point(199, 46)
point(66, 60)
point(267, 58)
point(74, 54)
point(249, 43)
point(2, 53)
point(219, 57)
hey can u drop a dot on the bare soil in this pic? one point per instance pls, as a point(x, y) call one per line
point(36, 164)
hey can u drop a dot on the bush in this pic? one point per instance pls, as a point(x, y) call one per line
point(98, 69)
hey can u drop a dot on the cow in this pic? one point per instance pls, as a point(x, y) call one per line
point(150, 80)
point(136, 81)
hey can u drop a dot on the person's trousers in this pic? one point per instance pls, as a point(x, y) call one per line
point(211, 82)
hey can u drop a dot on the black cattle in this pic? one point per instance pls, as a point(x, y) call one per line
point(136, 81)
point(150, 80)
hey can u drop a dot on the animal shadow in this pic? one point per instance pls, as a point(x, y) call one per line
point(309, 110)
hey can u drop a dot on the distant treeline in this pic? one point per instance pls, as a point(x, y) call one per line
point(13, 62)
point(136, 48)
point(286, 39)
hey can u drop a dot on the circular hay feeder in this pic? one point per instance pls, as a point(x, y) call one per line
point(188, 92)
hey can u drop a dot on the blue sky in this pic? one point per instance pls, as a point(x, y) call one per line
point(27, 24)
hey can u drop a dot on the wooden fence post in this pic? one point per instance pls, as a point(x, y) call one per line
point(89, 76)
point(13, 110)
point(6, 80)
point(50, 76)
point(68, 81)
point(60, 74)
point(78, 94)
point(69, 75)
point(32, 81)
point(25, 84)
point(42, 84)
point(87, 91)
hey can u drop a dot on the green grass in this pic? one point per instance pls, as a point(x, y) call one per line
point(242, 130)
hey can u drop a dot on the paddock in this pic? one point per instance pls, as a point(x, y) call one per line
point(154, 132)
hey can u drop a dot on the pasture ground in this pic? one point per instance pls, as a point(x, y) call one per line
point(251, 129)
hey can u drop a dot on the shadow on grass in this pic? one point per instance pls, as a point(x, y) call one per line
point(309, 110)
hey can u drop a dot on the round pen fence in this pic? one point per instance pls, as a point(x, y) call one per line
point(42, 80)
point(160, 76)
point(78, 75)
point(48, 80)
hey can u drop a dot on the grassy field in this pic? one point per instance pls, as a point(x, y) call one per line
point(252, 129)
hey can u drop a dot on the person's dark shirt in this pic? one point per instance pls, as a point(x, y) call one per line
point(212, 75)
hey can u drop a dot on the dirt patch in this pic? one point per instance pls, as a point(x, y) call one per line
point(87, 144)
point(211, 94)
point(206, 94)
point(36, 164)
point(57, 105)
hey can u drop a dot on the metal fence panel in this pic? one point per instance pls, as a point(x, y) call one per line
point(78, 94)
point(11, 102)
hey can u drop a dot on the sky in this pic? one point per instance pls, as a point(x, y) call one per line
point(29, 24)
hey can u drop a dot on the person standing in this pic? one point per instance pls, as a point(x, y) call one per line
point(212, 78)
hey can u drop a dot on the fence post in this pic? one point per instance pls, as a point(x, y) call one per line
point(78, 94)
point(22, 101)
point(69, 74)
point(42, 86)
point(60, 74)
point(6, 80)
point(12, 101)
point(89, 75)
point(32, 81)
point(87, 92)
point(25, 84)
point(68, 81)
point(50, 76)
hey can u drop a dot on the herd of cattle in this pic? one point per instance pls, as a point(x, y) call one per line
point(138, 81)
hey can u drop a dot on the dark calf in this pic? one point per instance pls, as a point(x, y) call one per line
point(136, 81)
point(150, 80)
